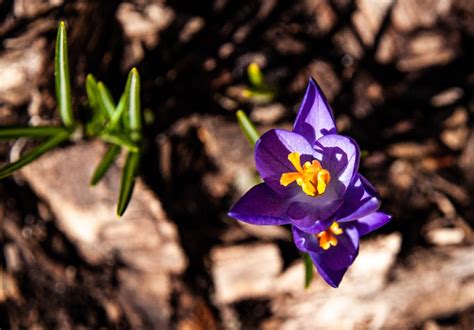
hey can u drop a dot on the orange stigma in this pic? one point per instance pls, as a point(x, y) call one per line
point(328, 238)
point(311, 177)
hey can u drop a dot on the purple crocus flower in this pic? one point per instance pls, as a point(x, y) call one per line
point(311, 181)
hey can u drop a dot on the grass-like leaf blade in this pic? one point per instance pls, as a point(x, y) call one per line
point(247, 127)
point(92, 93)
point(308, 270)
point(62, 80)
point(95, 124)
point(7, 133)
point(120, 140)
point(132, 92)
point(33, 154)
point(115, 120)
point(106, 102)
point(105, 164)
point(128, 181)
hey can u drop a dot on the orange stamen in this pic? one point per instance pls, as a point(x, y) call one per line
point(327, 238)
point(311, 177)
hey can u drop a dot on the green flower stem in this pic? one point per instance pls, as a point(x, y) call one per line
point(247, 127)
point(309, 270)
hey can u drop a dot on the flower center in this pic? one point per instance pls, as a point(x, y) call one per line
point(328, 238)
point(311, 177)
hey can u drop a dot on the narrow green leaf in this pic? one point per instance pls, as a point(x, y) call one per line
point(106, 102)
point(33, 154)
point(61, 73)
point(115, 120)
point(95, 124)
point(247, 127)
point(128, 181)
point(31, 132)
point(92, 93)
point(120, 140)
point(105, 164)
point(309, 270)
point(255, 75)
point(126, 95)
point(132, 92)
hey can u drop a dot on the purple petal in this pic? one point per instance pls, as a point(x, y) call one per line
point(340, 156)
point(305, 242)
point(344, 253)
point(315, 118)
point(333, 263)
point(261, 206)
point(313, 216)
point(271, 157)
point(360, 199)
point(371, 222)
point(333, 277)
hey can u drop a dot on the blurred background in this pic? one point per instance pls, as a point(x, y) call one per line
point(399, 76)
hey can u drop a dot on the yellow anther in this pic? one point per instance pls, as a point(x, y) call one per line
point(294, 159)
point(327, 238)
point(311, 177)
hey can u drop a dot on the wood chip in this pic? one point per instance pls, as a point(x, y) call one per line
point(143, 239)
point(440, 283)
point(245, 271)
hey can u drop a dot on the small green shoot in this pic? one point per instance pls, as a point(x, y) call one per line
point(255, 75)
point(258, 91)
point(247, 127)
point(123, 130)
point(61, 72)
point(119, 125)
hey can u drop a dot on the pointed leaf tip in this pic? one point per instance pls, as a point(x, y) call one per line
point(127, 183)
point(62, 79)
point(255, 75)
point(91, 77)
point(105, 164)
point(132, 92)
point(106, 102)
point(91, 90)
